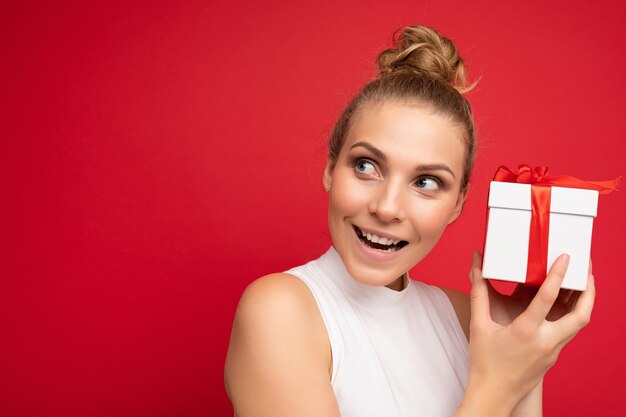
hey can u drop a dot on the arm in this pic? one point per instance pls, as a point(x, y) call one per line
point(279, 354)
point(531, 404)
point(512, 344)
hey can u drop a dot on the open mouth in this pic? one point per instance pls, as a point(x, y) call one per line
point(379, 243)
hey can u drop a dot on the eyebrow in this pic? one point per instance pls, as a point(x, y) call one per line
point(423, 167)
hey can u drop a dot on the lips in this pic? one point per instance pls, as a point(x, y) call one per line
point(380, 243)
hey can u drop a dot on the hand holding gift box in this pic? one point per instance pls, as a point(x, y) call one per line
point(533, 218)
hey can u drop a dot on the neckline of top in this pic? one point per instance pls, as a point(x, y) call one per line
point(371, 297)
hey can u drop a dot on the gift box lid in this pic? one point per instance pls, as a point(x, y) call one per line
point(563, 200)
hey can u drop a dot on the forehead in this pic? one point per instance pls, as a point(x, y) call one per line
point(410, 134)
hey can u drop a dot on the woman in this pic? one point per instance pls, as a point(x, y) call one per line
point(350, 334)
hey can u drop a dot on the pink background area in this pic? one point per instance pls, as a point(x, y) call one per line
point(159, 156)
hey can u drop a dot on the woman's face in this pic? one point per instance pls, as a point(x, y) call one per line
point(394, 188)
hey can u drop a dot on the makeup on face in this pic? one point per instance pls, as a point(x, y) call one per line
point(395, 188)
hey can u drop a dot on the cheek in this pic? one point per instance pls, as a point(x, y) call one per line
point(432, 219)
point(347, 196)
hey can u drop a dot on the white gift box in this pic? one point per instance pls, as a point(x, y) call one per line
point(572, 211)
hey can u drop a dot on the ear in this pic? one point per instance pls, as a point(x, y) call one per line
point(328, 174)
point(459, 205)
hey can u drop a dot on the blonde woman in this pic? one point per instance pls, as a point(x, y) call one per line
point(349, 333)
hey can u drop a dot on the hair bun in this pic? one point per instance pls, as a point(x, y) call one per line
point(423, 50)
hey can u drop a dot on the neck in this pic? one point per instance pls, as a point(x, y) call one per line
point(397, 285)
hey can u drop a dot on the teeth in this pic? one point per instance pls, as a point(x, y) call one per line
point(380, 240)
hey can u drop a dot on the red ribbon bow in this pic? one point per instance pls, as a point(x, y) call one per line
point(541, 187)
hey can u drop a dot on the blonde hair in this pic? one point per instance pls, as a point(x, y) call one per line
point(423, 68)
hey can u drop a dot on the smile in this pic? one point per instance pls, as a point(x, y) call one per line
point(379, 243)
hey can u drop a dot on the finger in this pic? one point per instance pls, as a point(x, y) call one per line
point(562, 344)
point(572, 301)
point(564, 297)
point(580, 316)
point(491, 289)
point(562, 305)
point(493, 295)
point(543, 301)
point(479, 294)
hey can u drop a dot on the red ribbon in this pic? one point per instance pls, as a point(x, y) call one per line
point(541, 187)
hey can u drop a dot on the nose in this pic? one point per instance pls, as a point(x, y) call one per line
point(387, 203)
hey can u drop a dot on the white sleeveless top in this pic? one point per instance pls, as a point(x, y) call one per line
point(395, 353)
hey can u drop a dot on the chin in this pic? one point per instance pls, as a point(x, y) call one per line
point(374, 276)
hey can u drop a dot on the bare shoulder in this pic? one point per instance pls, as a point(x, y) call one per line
point(279, 354)
point(461, 303)
point(275, 293)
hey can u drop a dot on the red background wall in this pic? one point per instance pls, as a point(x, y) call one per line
point(159, 156)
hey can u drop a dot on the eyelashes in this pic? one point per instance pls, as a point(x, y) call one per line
point(364, 166)
point(367, 167)
point(421, 183)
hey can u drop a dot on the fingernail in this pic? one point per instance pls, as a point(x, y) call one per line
point(564, 260)
point(474, 256)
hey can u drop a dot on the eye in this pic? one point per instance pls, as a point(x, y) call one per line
point(428, 183)
point(363, 166)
